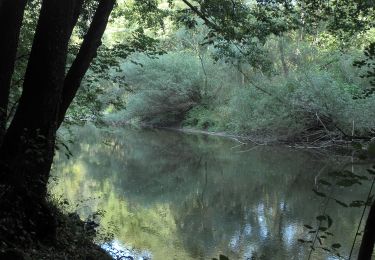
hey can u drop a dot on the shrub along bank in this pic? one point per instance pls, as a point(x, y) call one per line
point(309, 94)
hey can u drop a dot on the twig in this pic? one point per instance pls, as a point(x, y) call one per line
point(320, 223)
point(236, 139)
point(202, 16)
point(248, 150)
point(236, 146)
point(320, 171)
point(317, 116)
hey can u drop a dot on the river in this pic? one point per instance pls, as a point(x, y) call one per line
point(171, 195)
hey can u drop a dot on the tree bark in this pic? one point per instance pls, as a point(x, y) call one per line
point(368, 239)
point(11, 16)
point(86, 54)
point(27, 150)
point(28, 146)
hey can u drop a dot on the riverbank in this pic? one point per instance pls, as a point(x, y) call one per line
point(332, 141)
point(319, 139)
point(74, 238)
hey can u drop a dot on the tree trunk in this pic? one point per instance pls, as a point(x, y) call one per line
point(282, 56)
point(31, 134)
point(11, 16)
point(86, 54)
point(27, 150)
point(28, 146)
point(368, 239)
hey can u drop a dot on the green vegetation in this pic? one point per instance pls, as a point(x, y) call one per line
point(291, 84)
point(295, 70)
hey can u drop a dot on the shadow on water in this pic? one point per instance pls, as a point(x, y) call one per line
point(169, 195)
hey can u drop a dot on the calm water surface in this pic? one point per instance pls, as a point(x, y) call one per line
point(169, 195)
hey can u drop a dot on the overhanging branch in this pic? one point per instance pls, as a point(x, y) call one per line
point(86, 54)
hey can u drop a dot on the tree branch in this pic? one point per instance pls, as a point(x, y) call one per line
point(86, 54)
point(202, 16)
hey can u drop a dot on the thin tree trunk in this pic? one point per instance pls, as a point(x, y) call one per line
point(86, 54)
point(282, 56)
point(367, 245)
point(11, 16)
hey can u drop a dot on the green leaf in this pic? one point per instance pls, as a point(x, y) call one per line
point(329, 220)
point(361, 177)
point(321, 194)
point(357, 203)
point(347, 182)
point(223, 257)
point(336, 246)
point(325, 182)
point(307, 226)
point(323, 229)
point(371, 171)
point(341, 203)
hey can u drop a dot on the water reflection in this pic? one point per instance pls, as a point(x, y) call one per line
point(119, 251)
point(180, 196)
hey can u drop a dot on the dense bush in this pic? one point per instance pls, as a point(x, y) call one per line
point(302, 102)
point(306, 88)
point(164, 89)
point(319, 91)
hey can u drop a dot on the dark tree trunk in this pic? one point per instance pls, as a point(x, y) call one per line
point(28, 146)
point(27, 150)
point(86, 54)
point(33, 128)
point(11, 16)
point(368, 239)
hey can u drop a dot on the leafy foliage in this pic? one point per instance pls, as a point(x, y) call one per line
point(174, 90)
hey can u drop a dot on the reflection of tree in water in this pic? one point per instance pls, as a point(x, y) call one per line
point(240, 204)
point(244, 204)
